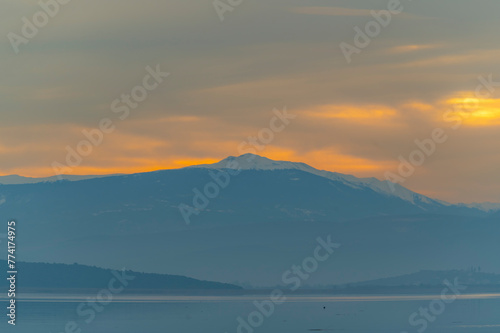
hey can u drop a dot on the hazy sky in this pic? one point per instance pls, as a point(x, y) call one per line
point(227, 77)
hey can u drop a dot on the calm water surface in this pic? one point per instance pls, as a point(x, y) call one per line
point(212, 314)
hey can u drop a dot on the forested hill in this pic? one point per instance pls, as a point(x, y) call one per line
point(61, 276)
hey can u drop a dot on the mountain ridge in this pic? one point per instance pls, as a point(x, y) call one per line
point(18, 180)
point(256, 162)
point(40, 275)
point(435, 278)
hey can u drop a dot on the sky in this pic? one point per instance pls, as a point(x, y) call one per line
point(423, 71)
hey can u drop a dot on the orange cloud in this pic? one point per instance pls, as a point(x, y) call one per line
point(342, 11)
point(331, 159)
point(418, 106)
point(452, 59)
point(355, 113)
point(410, 48)
point(331, 11)
point(475, 111)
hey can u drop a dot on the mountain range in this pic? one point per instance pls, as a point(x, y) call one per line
point(255, 162)
point(436, 278)
point(250, 219)
point(16, 179)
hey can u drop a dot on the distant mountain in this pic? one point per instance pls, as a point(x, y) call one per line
point(251, 229)
point(484, 206)
point(40, 276)
point(435, 278)
point(255, 162)
point(15, 179)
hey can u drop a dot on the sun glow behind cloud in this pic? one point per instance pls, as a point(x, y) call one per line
point(475, 111)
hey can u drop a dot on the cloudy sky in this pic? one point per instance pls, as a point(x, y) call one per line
point(418, 74)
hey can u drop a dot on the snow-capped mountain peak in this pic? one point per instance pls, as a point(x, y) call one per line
point(256, 162)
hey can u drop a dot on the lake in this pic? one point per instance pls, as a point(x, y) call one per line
point(226, 314)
